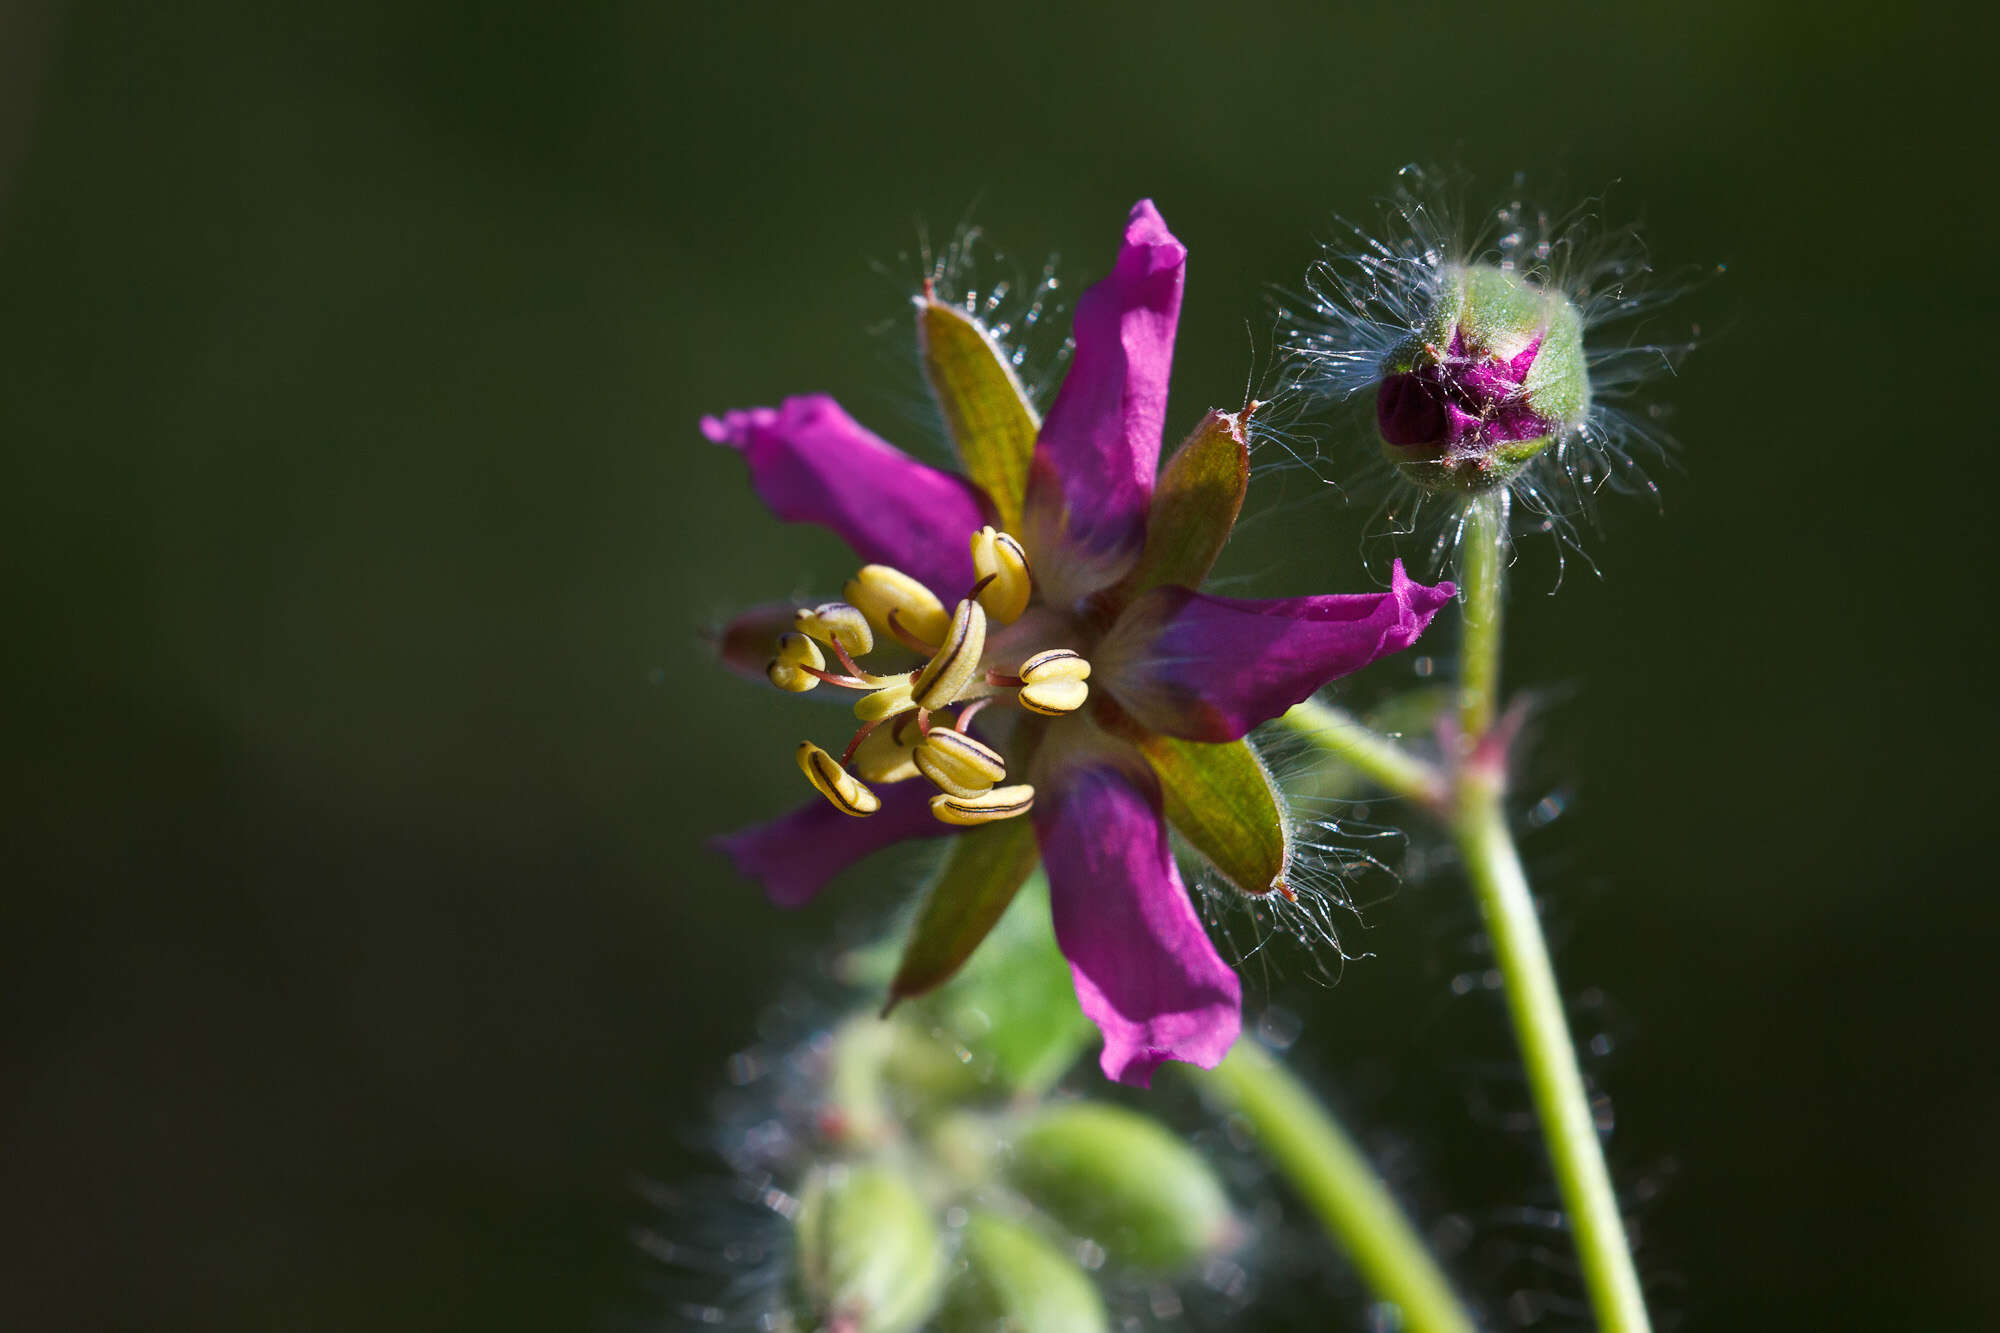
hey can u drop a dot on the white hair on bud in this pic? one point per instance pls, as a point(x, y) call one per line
point(1370, 291)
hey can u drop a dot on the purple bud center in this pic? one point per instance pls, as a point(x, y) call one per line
point(1462, 402)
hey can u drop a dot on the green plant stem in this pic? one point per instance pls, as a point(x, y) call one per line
point(1329, 1171)
point(1478, 824)
point(1549, 1058)
point(1368, 752)
point(1482, 558)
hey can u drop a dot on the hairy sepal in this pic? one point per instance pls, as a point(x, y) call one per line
point(981, 874)
point(1195, 504)
point(1221, 799)
point(985, 408)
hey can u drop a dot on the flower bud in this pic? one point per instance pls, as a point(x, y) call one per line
point(1015, 1278)
point(1491, 379)
point(1124, 1181)
point(868, 1253)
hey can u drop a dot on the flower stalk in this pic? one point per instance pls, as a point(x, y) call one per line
point(1548, 1056)
point(1332, 1174)
point(1368, 752)
point(1482, 557)
point(1478, 824)
point(1468, 799)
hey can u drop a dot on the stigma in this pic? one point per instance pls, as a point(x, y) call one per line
point(914, 720)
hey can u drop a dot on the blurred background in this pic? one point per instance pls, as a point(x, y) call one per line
point(360, 943)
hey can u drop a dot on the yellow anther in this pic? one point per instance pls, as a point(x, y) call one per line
point(795, 651)
point(825, 621)
point(985, 808)
point(957, 660)
point(959, 764)
point(882, 759)
point(885, 702)
point(998, 557)
point(1053, 698)
point(879, 589)
point(1055, 664)
point(1052, 682)
point(835, 783)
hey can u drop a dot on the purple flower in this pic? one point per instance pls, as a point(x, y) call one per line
point(1108, 693)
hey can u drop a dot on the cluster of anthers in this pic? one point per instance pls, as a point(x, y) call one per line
point(902, 735)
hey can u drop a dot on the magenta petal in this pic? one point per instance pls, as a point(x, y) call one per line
point(748, 640)
point(1211, 668)
point(1144, 968)
point(794, 855)
point(1092, 475)
point(812, 463)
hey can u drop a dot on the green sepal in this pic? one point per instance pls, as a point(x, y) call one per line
point(1195, 504)
point(979, 877)
point(985, 408)
point(1016, 1278)
point(1125, 1181)
point(1014, 1004)
point(1558, 384)
point(869, 1253)
point(1221, 799)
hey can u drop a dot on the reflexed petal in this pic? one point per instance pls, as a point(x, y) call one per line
point(812, 463)
point(1092, 475)
point(794, 855)
point(1144, 968)
point(1210, 668)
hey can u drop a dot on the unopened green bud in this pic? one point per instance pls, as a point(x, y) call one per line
point(1016, 1281)
point(869, 1260)
point(1496, 373)
point(1124, 1181)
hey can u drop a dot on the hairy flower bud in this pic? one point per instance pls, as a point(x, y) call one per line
point(1495, 373)
point(868, 1251)
point(1123, 1180)
point(1016, 1278)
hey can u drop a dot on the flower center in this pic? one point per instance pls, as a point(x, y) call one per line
point(915, 722)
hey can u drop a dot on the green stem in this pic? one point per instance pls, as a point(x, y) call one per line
point(1549, 1058)
point(1548, 1055)
point(1335, 1179)
point(1482, 558)
point(1367, 751)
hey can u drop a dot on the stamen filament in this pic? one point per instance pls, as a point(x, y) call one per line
point(840, 651)
point(847, 755)
point(835, 678)
point(907, 639)
point(967, 713)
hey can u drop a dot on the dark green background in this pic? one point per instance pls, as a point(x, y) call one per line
point(359, 938)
